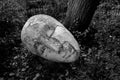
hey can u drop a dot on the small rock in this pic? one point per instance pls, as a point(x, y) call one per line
point(11, 74)
point(23, 69)
point(1, 78)
point(36, 76)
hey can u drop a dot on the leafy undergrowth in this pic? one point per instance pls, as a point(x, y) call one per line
point(100, 44)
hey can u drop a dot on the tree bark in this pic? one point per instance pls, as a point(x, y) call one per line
point(80, 13)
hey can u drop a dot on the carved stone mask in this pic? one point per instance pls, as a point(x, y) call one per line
point(45, 36)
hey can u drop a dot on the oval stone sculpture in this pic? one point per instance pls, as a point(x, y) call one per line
point(45, 36)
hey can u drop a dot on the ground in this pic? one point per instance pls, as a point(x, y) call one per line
point(100, 43)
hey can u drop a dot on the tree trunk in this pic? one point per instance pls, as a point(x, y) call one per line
point(80, 13)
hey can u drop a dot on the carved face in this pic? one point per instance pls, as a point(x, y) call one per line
point(45, 36)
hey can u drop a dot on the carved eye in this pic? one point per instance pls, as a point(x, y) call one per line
point(49, 29)
point(40, 48)
point(66, 49)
